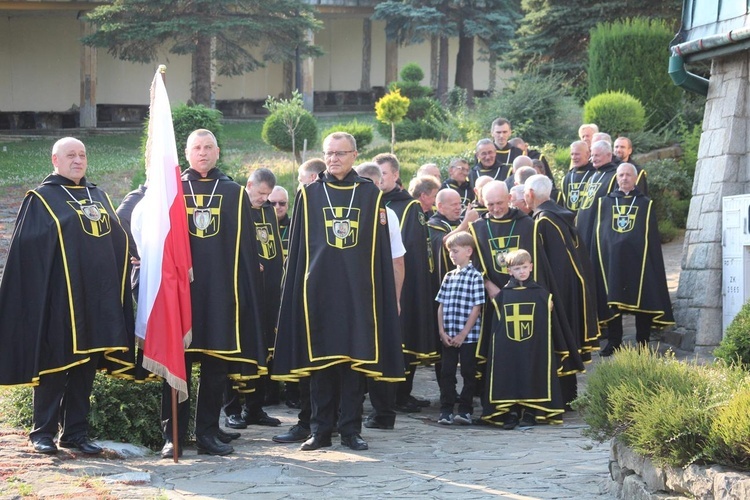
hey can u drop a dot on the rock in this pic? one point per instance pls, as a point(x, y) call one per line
point(128, 478)
point(125, 450)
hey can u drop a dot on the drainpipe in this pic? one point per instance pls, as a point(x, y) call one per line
point(683, 78)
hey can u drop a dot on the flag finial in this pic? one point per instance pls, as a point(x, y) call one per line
point(162, 69)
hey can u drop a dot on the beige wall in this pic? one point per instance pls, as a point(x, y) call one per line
point(40, 66)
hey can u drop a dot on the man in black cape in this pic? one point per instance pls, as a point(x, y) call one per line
point(489, 163)
point(339, 317)
point(629, 264)
point(260, 184)
point(279, 198)
point(417, 328)
point(65, 300)
point(571, 277)
point(458, 172)
point(575, 180)
point(601, 182)
point(227, 329)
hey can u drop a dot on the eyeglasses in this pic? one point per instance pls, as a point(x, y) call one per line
point(337, 154)
point(279, 203)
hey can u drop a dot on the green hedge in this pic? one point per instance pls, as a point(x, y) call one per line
point(735, 346)
point(631, 55)
point(362, 132)
point(670, 187)
point(674, 412)
point(276, 134)
point(616, 113)
point(412, 154)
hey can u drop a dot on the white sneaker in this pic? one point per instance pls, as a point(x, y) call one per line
point(462, 418)
point(445, 419)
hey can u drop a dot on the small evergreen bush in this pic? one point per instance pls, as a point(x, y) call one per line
point(540, 108)
point(670, 187)
point(275, 133)
point(674, 412)
point(735, 346)
point(409, 85)
point(362, 132)
point(630, 55)
point(617, 113)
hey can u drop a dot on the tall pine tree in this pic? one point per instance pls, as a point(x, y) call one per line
point(554, 34)
point(224, 30)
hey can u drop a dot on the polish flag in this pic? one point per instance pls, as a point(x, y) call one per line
point(164, 318)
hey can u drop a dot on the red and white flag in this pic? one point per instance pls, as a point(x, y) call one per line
point(164, 318)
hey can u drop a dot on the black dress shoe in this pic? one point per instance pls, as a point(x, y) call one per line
point(609, 350)
point(82, 443)
point(261, 418)
point(373, 423)
point(316, 441)
point(407, 407)
point(44, 445)
point(209, 445)
point(422, 403)
point(167, 450)
point(235, 422)
point(227, 437)
point(355, 442)
point(297, 434)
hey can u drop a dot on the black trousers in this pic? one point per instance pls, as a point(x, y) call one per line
point(305, 409)
point(383, 400)
point(403, 389)
point(209, 399)
point(62, 402)
point(643, 323)
point(451, 356)
point(329, 385)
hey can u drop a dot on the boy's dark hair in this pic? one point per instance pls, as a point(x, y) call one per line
point(460, 239)
point(517, 258)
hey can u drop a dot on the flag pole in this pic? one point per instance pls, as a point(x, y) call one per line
point(175, 423)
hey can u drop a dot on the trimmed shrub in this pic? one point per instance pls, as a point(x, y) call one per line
point(411, 72)
point(410, 83)
point(735, 346)
point(121, 410)
point(616, 112)
point(362, 132)
point(631, 55)
point(276, 134)
point(425, 119)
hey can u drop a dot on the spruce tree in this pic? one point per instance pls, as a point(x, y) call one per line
point(134, 30)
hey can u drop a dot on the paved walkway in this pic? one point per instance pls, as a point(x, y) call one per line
point(418, 459)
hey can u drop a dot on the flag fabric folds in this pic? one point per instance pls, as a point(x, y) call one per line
point(164, 319)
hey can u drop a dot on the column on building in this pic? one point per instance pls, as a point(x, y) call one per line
point(722, 170)
point(87, 109)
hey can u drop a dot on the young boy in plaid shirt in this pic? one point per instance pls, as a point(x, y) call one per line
point(461, 297)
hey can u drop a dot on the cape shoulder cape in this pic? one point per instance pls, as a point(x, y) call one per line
point(571, 278)
point(417, 327)
point(338, 300)
point(522, 367)
point(65, 292)
point(630, 265)
point(438, 227)
point(600, 183)
point(574, 186)
point(271, 256)
point(226, 285)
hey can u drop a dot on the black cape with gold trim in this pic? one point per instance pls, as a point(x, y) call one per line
point(226, 286)
point(284, 223)
point(338, 298)
point(494, 238)
point(629, 260)
point(271, 256)
point(600, 183)
point(439, 227)
point(574, 186)
point(570, 277)
point(65, 292)
point(523, 368)
point(417, 328)
point(500, 170)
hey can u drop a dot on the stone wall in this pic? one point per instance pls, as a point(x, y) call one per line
point(722, 170)
point(635, 477)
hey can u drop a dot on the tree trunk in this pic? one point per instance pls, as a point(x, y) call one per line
point(442, 85)
point(365, 84)
point(434, 61)
point(288, 72)
point(465, 67)
point(201, 72)
point(391, 61)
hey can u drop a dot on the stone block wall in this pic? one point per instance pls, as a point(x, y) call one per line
point(635, 477)
point(722, 170)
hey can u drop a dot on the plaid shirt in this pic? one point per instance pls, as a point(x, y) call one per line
point(461, 290)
